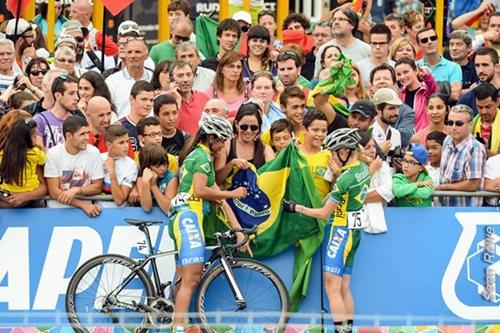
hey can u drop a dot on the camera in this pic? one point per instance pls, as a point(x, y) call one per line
point(393, 155)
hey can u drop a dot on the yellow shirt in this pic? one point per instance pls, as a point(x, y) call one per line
point(318, 164)
point(35, 157)
point(172, 162)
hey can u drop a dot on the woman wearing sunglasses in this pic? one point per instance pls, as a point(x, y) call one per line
point(246, 147)
point(36, 70)
point(418, 86)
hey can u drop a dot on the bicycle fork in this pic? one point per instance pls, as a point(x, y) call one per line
point(240, 301)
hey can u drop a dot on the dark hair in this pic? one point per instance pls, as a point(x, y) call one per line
point(406, 61)
point(60, 84)
point(152, 154)
point(381, 29)
point(155, 80)
point(411, 17)
point(181, 5)
point(147, 121)
point(163, 100)
point(227, 59)
point(485, 90)
point(140, 86)
point(36, 61)
point(383, 67)
point(248, 109)
point(290, 92)
point(97, 82)
point(17, 99)
point(72, 124)
point(228, 24)
point(43, 8)
point(421, 31)
point(488, 51)
point(114, 131)
point(296, 17)
point(437, 136)
point(441, 96)
point(263, 13)
point(311, 116)
point(366, 136)
point(395, 17)
point(280, 125)
point(351, 15)
point(261, 32)
point(323, 54)
point(15, 149)
point(39, 42)
point(287, 55)
point(268, 75)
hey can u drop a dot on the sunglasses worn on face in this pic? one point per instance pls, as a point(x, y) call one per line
point(245, 127)
point(427, 39)
point(36, 73)
point(182, 38)
point(458, 123)
point(245, 28)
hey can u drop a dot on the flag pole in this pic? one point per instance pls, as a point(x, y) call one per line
point(103, 39)
point(18, 14)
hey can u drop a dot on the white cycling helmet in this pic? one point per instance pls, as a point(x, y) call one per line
point(216, 125)
point(342, 138)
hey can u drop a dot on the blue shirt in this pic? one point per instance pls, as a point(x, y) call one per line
point(272, 115)
point(445, 70)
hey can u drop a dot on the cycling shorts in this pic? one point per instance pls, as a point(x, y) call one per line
point(340, 250)
point(187, 231)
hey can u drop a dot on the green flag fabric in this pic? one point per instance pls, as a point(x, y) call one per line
point(286, 176)
point(340, 78)
point(206, 36)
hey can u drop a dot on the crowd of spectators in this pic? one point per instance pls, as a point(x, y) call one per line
point(72, 126)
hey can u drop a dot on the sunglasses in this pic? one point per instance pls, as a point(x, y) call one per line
point(79, 39)
point(36, 73)
point(182, 38)
point(245, 127)
point(458, 123)
point(245, 28)
point(427, 39)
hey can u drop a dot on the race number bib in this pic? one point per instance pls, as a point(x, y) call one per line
point(357, 220)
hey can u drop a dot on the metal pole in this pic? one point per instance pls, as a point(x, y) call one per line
point(97, 16)
point(163, 24)
point(281, 14)
point(440, 23)
point(103, 48)
point(29, 11)
point(223, 9)
point(51, 24)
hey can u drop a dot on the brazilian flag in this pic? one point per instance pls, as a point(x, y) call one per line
point(287, 176)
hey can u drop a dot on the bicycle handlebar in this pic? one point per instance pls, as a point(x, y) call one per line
point(229, 234)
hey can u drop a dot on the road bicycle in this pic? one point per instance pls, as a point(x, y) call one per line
point(114, 290)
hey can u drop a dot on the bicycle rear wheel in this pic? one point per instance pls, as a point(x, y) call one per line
point(266, 297)
point(91, 303)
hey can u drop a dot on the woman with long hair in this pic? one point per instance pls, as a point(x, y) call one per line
point(355, 91)
point(246, 147)
point(91, 84)
point(228, 84)
point(21, 166)
point(418, 85)
point(161, 77)
point(437, 110)
point(36, 70)
point(259, 53)
point(197, 189)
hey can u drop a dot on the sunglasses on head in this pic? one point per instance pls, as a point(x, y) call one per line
point(36, 73)
point(245, 127)
point(427, 39)
point(458, 123)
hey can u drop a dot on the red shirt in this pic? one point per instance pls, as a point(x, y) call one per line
point(101, 144)
point(190, 112)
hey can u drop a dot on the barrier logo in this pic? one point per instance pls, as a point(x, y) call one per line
point(471, 282)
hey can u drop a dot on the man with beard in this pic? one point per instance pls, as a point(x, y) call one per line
point(486, 62)
point(289, 68)
point(84, 57)
point(486, 128)
point(23, 39)
point(193, 102)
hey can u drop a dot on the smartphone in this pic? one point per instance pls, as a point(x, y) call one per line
point(4, 194)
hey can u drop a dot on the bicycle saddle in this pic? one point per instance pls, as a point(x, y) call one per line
point(141, 223)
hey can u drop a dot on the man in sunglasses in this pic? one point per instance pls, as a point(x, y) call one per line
point(441, 68)
point(462, 159)
point(181, 32)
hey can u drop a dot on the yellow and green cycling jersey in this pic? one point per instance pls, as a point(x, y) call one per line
point(318, 164)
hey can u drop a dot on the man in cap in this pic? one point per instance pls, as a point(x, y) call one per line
point(81, 10)
point(21, 33)
point(387, 103)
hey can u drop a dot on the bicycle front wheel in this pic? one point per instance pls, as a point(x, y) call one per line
point(265, 295)
point(106, 291)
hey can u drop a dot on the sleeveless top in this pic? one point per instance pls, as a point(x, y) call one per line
point(258, 155)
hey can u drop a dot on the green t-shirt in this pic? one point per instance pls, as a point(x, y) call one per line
point(410, 195)
point(349, 191)
point(162, 51)
point(198, 161)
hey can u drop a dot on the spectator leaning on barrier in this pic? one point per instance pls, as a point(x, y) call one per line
point(486, 128)
point(120, 83)
point(74, 168)
point(50, 123)
point(462, 159)
point(441, 68)
point(492, 178)
point(434, 145)
point(166, 109)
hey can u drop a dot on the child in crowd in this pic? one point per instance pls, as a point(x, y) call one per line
point(156, 181)
point(281, 134)
point(414, 187)
point(120, 171)
point(167, 111)
point(434, 144)
point(21, 175)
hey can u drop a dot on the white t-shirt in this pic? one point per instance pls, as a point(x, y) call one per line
point(126, 174)
point(366, 66)
point(492, 171)
point(73, 170)
point(381, 182)
point(379, 135)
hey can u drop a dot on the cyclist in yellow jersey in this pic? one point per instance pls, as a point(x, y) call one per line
point(345, 202)
point(316, 127)
point(196, 188)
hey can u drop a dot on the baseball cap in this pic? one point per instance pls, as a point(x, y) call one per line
point(71, 26)
point(364, 107)
point(386, 95)
point(243, 16)
point(418, 152)
point(128, 26)
point(65, 38)
point(22, 27)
